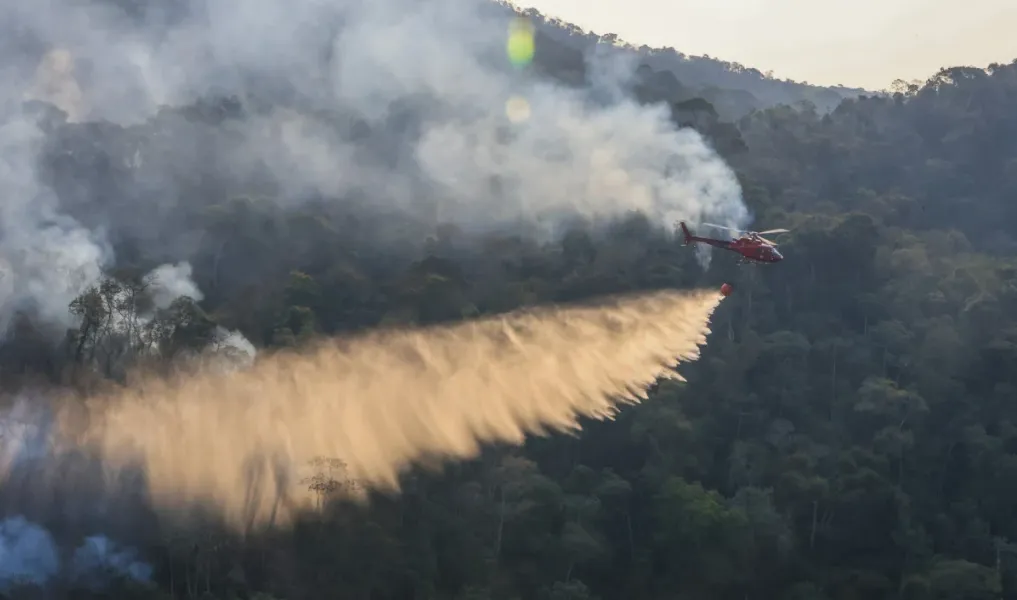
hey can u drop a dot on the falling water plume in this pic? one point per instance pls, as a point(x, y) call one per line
point(385, 400)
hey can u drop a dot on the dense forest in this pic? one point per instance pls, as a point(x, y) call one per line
point(848, 432)
point(734, 89)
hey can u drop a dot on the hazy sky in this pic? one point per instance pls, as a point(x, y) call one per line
point(865, 43)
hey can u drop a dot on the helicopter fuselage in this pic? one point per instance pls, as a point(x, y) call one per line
point(751, 247)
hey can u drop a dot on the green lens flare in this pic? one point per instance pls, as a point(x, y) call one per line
point(520, 46)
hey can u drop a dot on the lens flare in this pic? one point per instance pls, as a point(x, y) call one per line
point(517, 109)
point(521, 45)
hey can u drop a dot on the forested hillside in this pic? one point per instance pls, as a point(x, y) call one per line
point(849, 432)
point(733, 88)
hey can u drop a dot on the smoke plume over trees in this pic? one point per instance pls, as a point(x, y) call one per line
point(191, 184)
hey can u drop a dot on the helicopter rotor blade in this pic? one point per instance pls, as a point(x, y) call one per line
point(769, 231)
point(722, 227)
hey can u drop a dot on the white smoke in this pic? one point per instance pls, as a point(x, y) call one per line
point(46, 258)
point(99, 558)
point(169, 282)
point(488, 145)
point(164, 285)
point(29, 554)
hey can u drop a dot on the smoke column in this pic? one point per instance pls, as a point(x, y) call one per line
point(452, 129)
point(241, 441)
point(27, 553)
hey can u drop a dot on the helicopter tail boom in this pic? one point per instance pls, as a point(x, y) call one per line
point(685, 232)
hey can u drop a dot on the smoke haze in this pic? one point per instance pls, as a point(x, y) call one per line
point(30, 556)
point(409, 114)
point(411, 107)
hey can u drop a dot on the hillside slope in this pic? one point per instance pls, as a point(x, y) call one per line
point(850, 430)
point(733, 88)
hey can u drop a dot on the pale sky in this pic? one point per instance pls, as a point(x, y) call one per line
point(862, 43)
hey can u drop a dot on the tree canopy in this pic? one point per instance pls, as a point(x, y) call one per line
point(733, 88)
point(850, 431)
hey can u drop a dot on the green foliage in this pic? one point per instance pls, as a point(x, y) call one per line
point(850, 432)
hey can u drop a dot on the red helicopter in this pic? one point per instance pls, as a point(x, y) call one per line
point(753, 247)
